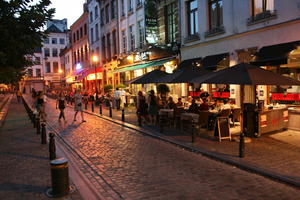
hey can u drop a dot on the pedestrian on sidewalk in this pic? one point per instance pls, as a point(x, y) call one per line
point(153, 107)
point(61, 105)
point(142, 108)
point(78, 105)
point(19, 95)
point(117, 98)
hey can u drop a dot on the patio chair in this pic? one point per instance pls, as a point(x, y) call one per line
point(225, 113)
point(176, 116)
point(203, 118)
point(236, 115)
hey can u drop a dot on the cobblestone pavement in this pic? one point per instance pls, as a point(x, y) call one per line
point(24, 165)
point(140, 167)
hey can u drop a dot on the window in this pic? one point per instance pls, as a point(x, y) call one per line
point(48, 67)
point(54, 52)
point(47, 52)
point(77, 34)
point(81, 33)
point(78, 55)
point(75, 58)
point(192, 17)
point(113, 7)
point(96, 12)
point(46, 40)
point(38, 60)
point(85, 29)
point(82, 53)
point(55, 67)
point(86, 52)
point(141, 33)
point(132, 39)
point(122, 8)
point(96, 32)
point(107, 13)
point(124, 41)
point(215, 13)
point(74, 37)
point(54, 41)
point(61, 40)
point(38, 72)
point(29, 73)
point(130, 5)
point(114, 40)
point(92, 35)
point(138, 2)
point(170, 23)
point(261, 6)
point(91, 16)
point(108, 46)
point(102, 17)
point(103, 48)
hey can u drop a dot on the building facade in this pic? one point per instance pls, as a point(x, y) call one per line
point(222, 33)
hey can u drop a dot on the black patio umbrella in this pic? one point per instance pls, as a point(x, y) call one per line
point(184, 74)
point(151, 77)
point(245, 74)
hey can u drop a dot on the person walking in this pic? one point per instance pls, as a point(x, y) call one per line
point(153, 107)
point(61, 105)
point(19, 95)
point(117, 98)
point(142, 108)
point(78, 105)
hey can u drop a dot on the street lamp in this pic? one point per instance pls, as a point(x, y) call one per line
point(60, 71)
point(95, 61)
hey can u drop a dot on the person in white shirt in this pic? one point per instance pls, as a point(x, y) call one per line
point(117, 98)
point(122, 98)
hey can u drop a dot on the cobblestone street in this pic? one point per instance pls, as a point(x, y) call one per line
point(140, 167)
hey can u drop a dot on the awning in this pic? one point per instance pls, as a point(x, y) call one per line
point(194, 62)
point(210, 62)
point(79, 72)
point(275, 54)
point(144, 65)
point(87, 72)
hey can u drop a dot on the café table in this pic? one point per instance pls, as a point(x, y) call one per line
point(167, 112)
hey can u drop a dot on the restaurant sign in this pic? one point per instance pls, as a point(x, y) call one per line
point(263, 121)
point(286, 96)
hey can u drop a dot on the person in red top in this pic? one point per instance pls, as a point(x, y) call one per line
point(204, 106)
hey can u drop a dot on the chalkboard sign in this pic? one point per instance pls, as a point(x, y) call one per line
point(223, 128)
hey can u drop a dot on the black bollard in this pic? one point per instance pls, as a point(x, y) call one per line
point(139, 120)
point(110, 111)
point(92, 106)
point(33, 120)
point(242, 145)
point(100, 108)
point(85, 106)
point(193, 131)
point(38, 126)
point(123, 115)
point(59, 178)
point(161, 122)
point(52, 149)
point(43, 135)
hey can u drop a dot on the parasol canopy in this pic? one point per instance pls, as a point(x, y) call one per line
point(151, 77)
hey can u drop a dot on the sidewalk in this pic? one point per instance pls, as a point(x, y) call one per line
point(24, 166)
point(270, 155)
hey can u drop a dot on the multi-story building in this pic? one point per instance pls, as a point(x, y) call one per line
point(80, 51)
point(52, 46)
point(218, 33)
point(67, 65)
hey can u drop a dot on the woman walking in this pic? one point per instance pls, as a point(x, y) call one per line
point(78, 105)
point(153, 107)
point(142, 108)
point(61, 104)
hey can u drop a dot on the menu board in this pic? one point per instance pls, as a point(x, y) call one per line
point(223, 128)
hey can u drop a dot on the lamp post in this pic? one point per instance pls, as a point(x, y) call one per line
point(60, 71)
point(95, 60)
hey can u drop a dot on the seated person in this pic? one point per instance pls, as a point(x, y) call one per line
point(171, 104)
point(199, 101)
point(204, 106)
point(194, 108)
point(179, 104)
point(226, 105)
point(188, 103)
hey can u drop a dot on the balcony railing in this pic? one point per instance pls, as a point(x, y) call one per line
point(261, 17)
point(215, 31)
point(192, 37)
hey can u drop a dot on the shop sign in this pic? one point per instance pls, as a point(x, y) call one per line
point(285, 116)
point(286, 96)
point(141, 56)
point(92, 76)
point(223, 95)
point(263, 121)
point(151, 22)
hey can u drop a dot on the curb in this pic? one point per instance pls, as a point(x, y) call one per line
point(213, 155)
point(4, 109)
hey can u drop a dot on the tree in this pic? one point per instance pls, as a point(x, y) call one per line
point(21, 25)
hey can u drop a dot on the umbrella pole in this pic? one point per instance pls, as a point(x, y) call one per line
point(242, 135)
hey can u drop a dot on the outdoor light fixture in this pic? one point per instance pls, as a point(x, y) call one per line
point(78, 66)
point(95, 58)
point(60, 71)
point(130, 58)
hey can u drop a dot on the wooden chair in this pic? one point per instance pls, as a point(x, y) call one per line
point(203, 118)
point(225, 113)
point(176, 116)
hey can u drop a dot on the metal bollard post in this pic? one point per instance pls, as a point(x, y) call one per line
point(85, 106)
point(161, 122)
point(193, 131)
point(139, 120)
point(33, 120)
point(100, 108)
point(123, 115)
point(52, 149)
point(110, 111)
point(92, 106)
point(59, 178)
point(43, 135)
point(242, 145)
point(38, 126)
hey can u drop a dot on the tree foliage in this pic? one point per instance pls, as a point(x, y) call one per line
point(21, 25)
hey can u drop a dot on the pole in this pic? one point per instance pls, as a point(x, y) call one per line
point(123, 115)
point(242, 145)
point(52, 149)
point(100, 108)
point(242, 136)
point(43, 135)
point(193, 131)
